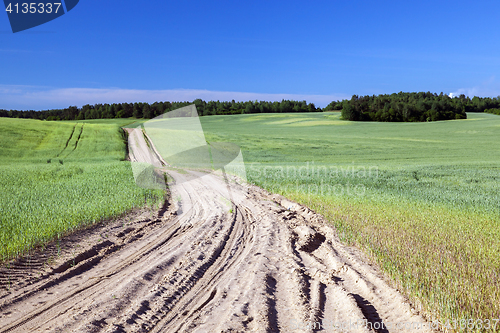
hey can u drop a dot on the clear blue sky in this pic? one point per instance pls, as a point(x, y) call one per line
point(116, 51)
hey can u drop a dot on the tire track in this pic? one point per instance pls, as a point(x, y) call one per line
point(224, 257)
point(78, 138)
point(67, 142)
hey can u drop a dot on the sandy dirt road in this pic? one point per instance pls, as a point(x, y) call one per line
point(214, 258)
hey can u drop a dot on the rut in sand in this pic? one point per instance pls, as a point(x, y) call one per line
point(220, 257)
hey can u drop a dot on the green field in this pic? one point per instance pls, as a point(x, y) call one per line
point(421, 198)
point(56, 177)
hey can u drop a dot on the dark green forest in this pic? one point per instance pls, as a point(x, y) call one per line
point(400, 107)
point(146, 110)
point(411, 107)
point(494, 111)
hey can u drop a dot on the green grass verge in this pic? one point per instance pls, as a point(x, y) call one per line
point(56, 177)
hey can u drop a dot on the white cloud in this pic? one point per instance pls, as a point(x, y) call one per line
point(41, 98)
point(488, 88)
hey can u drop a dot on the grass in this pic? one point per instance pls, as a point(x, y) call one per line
point(59, 176)
point(122, 122)
point(420, 198)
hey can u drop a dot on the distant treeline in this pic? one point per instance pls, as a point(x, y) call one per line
point(421, 106)
point(146, 110)
point(494, 111)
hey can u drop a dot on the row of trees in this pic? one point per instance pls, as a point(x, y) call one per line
point(421, 106)
point(146, 110)
point(494, 111)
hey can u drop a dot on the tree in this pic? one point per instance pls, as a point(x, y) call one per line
point(249, 108)
point(349, 113)
point(146, 111)
point(137, 110)
point(200, 106)
point(127, 110)
point(286, 106)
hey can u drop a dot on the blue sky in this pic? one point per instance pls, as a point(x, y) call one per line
point(117, 51)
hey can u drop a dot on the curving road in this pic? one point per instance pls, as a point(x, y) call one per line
point(217, 258)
